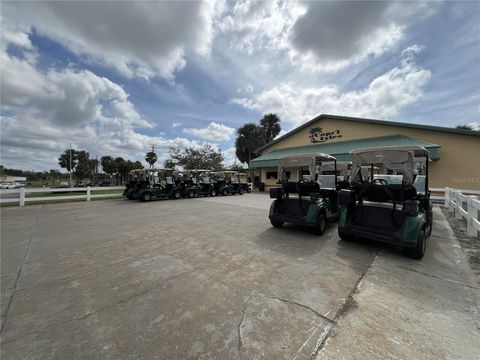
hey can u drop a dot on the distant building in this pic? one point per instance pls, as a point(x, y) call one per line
point(12, 179)
point(455, 153)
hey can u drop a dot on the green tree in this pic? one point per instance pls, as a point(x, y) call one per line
point(169, 164)
point(465, 127)
point(64, 160)
point(205, 157)
point(236, 167)
point(271, 125)
point(249, 138)
point(151, 158)
point(83, 168)
point(120, 166)
point(108, 165)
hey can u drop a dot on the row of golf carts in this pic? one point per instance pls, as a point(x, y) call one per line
point(149, 184)
point(381, 195)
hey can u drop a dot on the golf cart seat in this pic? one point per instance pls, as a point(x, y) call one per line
point(379, 216)
point(302, 188)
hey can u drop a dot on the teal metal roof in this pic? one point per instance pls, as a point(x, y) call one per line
point(372, 121)
point(341, 149)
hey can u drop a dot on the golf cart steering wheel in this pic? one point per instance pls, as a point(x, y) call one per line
point(380, 181)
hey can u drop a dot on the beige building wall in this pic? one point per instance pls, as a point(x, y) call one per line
point(458, 166)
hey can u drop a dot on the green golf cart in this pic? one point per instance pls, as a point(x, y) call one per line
point(201, 183)
point(392, 206)
point(163, 184)
point(135, 179)
point(244, 185)
point(222, 182)
point(312, 200)
point(235, 184)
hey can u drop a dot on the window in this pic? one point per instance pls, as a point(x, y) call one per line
point(271, 175)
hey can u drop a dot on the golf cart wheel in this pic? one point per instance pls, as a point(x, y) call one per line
point(146, 197)
point(249, 190)
point(177, 195)
point(240, 192)
point(191, 194)
point(277, 223)
point(418, 251)
point(429, 225)
point(224, 192)
point(320, 225)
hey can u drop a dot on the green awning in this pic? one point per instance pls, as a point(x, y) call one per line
point(341, 149)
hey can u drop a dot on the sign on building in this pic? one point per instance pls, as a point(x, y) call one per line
point(317, 135)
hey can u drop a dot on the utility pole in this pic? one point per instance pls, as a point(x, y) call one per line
point(70, 167)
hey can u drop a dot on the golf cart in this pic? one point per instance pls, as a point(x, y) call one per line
point(392, 206)
point(244, 185)
point(201, 183)
point(162, 184)
point(234, 182)
point(222, 182)
point(315, 195)
point(136, 179)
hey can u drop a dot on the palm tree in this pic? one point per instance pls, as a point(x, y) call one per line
point(271, 124)
point(151, 158)
point(250, 137)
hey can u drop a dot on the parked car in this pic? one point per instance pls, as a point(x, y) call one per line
point(393, 207)
point(314, 200)
point(64, 184)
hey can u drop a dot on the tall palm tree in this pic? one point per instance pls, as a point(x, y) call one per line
point(271, 124)
point(151, 158)
point(250, 137)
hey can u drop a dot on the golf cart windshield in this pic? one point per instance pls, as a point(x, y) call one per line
point(309, 161)
point(397, 163)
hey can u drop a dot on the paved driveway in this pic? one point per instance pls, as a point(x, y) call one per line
point(210, 278)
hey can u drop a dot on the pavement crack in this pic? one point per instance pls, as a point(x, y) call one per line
point(19, 273)
point(240, 342)
point(305, 307)
point(439, 277)
point(350, 301)
point(104, 308)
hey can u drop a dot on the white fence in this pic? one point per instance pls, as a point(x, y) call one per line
point(22, 198)
point(454, 200)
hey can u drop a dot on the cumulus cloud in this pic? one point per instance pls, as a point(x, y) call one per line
point(213, 132)
point(253, 25)
point(320, 35)
point(44, 111)
point(383, 98)
point(176, 124)
point(142, 39)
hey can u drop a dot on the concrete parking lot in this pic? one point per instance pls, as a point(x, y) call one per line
point(209, 278)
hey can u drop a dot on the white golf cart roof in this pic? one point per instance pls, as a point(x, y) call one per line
point(300, 160)
point(418, 151)
point(393, 157)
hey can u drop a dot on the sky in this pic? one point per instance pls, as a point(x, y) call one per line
point(115, 78)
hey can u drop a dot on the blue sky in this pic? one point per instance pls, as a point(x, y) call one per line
point(115, 78)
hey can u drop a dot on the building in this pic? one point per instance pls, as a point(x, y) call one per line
point(12, 179)
point(455, 153)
